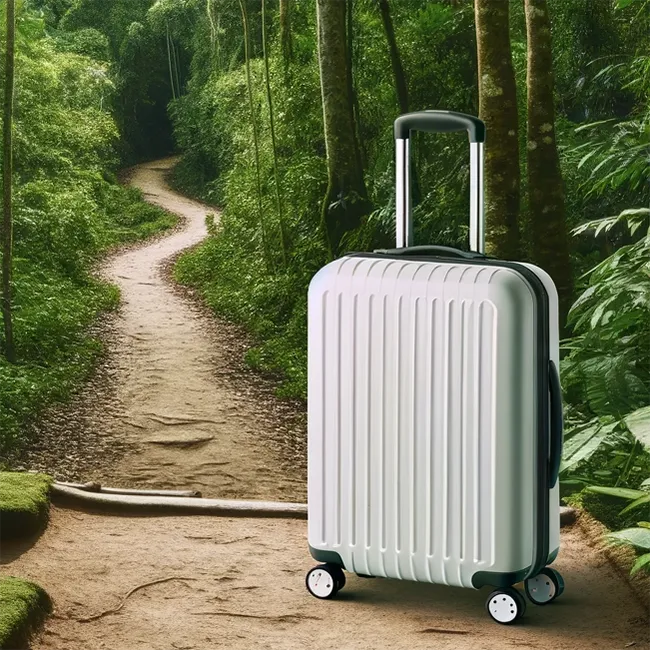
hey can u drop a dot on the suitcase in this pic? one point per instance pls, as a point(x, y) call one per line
point(434, 410)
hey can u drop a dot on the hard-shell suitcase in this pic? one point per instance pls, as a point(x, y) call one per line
point(434, 410)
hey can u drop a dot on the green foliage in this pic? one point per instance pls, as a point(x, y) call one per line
point(213, 128)
point(68, 208)
point(638, 538)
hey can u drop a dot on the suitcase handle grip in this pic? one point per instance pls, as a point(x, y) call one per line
point(557, 424)
point(440, 122)
point(442, 251)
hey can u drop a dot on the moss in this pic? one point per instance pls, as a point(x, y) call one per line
point(24, 503)
point(23, 606)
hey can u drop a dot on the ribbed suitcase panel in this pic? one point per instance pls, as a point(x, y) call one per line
point(402, 419)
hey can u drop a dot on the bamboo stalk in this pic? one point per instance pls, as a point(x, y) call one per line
point(7, 173)
point(283, 231)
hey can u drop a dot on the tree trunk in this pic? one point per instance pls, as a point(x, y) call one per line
point(346, 199)
point(354, 105)
point(286, 40)
point(548, 228)
point(269, 97)
point(498, 109)
point(7, 173)
point(249, 84)
point(395, 58)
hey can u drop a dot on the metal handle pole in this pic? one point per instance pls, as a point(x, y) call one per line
point(404, 224)
point(476, 199)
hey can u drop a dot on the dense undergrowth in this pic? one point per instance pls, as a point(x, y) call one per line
point(69, 209)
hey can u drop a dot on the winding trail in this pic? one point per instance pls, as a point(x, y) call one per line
point(184, 426)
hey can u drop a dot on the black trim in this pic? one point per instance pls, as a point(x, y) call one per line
point(497, 579)
point(541, 525)
point(440, 122)
point(322, 555)
point(557, 425)
point(444, 251)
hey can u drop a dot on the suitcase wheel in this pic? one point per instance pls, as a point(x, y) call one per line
point(505, 606)
point(325, 580)
point(545, 587)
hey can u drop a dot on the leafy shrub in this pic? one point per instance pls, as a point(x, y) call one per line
point(68, 208)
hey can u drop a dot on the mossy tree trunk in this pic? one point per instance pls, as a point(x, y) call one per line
point(346, 199)
point(498, 109)
point(7, 173)
point(395, 59)
point(548, 228)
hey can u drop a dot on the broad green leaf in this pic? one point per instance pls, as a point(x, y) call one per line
point(635, 504)
point(621, 493)
point(622, 4)
point(642, 561)
point(638, 423)
point(592, 125)
point(638, 537)
point(582, 446)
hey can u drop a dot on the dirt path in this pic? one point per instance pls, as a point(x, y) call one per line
point(170, 407)
point(188, 428)
point(243, 588)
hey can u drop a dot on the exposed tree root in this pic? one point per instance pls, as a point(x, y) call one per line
point(114, 610)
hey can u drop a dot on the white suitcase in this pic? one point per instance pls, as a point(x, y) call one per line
point(435, 417)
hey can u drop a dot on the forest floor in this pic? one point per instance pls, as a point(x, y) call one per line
point(174, 407)
point(239, 584)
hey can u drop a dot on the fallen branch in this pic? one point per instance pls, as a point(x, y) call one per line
point(114, 610)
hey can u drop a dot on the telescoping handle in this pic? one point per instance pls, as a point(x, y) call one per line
point(439, 122)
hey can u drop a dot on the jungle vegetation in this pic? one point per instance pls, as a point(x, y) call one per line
point(283, 111)
point(62, 208)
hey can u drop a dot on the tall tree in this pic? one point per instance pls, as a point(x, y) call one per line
point(286, 39)
point(256, 142)
point(548, 228)
point(171, 63)
point(498, 109)
point(346, 199)
point(395, 58)
point(7, 173)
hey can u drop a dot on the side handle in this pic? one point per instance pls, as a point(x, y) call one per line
point(557, 424)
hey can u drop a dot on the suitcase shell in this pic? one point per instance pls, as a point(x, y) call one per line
point(434, 407)
point(423, 419)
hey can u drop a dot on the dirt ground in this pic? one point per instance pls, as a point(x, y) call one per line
point(189, 429)
point(239, 584)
